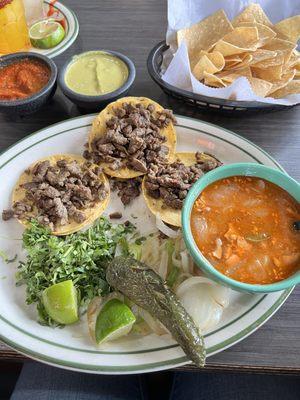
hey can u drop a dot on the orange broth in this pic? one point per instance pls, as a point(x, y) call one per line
point(244, 227)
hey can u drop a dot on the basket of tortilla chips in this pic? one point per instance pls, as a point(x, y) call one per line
point(244, 64)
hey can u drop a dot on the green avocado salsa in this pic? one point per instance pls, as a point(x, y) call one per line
point(95, 73)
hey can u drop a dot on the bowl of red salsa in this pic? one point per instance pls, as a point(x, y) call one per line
point(27, 82)
point(241, 224)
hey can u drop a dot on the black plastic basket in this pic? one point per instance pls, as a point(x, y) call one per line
point(154, 63)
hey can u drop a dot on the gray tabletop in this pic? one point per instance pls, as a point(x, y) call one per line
point(134, 27)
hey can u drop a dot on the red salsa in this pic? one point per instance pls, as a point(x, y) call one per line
point(23, 79)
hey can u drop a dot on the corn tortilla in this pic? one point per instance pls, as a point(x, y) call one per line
point(99, 129)
point(167, 214)
point(91, 214)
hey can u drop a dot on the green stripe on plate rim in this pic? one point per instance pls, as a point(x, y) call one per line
point(60, 49)
point(225, 343)
point(139, 368)
point(172, 346)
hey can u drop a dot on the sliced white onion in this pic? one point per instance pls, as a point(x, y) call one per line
point(175, 261)
point(195, 280)
point(163, 266)
point(186, 263)
point(119, 250)
point(92, 313)
point(156, 326)
point(161, 226)
point(204, 300)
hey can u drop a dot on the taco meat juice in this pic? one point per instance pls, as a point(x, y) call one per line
point(244, 226)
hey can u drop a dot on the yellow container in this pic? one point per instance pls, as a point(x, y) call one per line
point(13, 27)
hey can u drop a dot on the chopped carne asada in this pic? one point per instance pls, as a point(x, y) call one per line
point(171, 182)
point(60, 192)
point(115, 215)
point(133, 138)
point(127, 189)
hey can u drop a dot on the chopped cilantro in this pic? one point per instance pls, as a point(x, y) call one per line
point(81, 257)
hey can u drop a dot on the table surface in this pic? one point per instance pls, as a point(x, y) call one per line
point(134, 27)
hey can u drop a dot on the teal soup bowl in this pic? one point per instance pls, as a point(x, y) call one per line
point(242, 169)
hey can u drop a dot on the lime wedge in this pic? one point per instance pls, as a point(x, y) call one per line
point(114, 320)
point(46, 34)
point(60, 302)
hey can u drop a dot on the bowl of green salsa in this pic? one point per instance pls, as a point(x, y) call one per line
point(95, 78)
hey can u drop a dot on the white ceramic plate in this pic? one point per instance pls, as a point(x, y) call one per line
point(72, 29)
point(70, 347)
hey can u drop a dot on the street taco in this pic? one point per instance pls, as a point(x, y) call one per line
point(63, 192)
point(129, 134)
point(166, 185)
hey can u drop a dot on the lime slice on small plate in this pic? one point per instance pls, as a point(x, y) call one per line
point(46, 34)
point(114, 320)
point(60, 302)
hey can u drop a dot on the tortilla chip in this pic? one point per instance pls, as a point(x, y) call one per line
point(244, 36)
point(294, 60)
point(289, 27)
point(99, 129)
point(240, 40)
point(213, 80)
point(216, 58)
point(228, 49)
point(204, 34)
point(91, 214)
point(277, 59)
point(265, 33)
point(230, 76)
point(244, 60)
point(231, 61)
point(253, 13)
point(209, 62)
point(261, 55)
point(156, 206)
point(230, 65)
point(259, 86)
point(270, 74)
point(285, 46)
point(293, 87)
point(233, 58)
point(203, 65)
point(282, 82)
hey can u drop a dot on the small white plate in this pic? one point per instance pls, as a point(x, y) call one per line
point(71, 347)
point(71, 27)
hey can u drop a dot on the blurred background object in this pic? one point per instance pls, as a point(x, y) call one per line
point(13, 27)
point(34, 10)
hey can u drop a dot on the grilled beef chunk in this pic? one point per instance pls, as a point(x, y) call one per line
point(132, 138)
point(171, 182)
point(127, 189)
point(59, 192)
point(115, 215)
point(7, 214)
